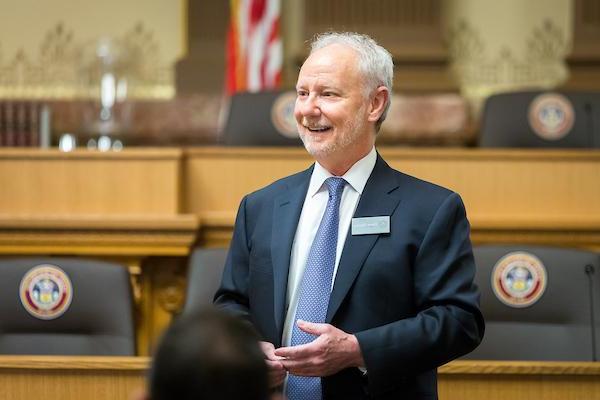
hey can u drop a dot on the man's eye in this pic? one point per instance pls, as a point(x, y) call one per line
point(302, 93)
point(328, 94)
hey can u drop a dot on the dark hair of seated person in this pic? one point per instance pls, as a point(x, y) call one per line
point(208, 355)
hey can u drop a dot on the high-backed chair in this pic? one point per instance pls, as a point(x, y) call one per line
point(432, 119)
point(560, 324)
point(204, 277)
point(541, 119)
point(65, 306)
point(261, 119)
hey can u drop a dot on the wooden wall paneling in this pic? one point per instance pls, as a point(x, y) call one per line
point(234, 172)
point(586, 30)
point(202, 69)
point(584, 60)
point(409, 29)
point(138, 182)
point(511, 184)
point(495, 184)
point(511, 195)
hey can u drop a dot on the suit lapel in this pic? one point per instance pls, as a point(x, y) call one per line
point(380, 197)
point(286, 213)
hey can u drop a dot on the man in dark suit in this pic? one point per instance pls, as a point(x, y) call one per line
point(359, 278)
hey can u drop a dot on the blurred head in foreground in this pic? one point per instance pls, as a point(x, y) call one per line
point(208, 355)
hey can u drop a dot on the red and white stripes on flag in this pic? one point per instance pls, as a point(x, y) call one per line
point(254, 49)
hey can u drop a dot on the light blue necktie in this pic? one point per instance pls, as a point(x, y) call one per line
point(315, 287)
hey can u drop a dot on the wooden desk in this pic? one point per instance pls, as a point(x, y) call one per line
point(519, 380)
point(51, 182)
point(71, 378)
point(116, 378)
point(532, 196)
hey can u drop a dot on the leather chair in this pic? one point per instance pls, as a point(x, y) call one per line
point(506, 121)
point(98, 321)
point(560, 326)
point(204, 277)
point(261, 119)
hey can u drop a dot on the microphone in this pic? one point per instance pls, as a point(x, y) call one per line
point(589, 271)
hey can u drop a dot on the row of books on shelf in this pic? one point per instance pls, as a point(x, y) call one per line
point(24, 123)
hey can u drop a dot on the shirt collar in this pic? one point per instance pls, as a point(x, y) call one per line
point(356, 176)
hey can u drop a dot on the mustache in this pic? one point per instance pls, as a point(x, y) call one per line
point(314, 125)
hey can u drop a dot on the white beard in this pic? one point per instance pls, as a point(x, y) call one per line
point(354, 129)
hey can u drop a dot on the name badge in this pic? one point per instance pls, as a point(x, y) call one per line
point(371, 225)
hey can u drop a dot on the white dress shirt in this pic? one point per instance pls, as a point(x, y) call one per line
point(310, 219)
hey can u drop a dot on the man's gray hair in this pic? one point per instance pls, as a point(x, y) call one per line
point(374, 61)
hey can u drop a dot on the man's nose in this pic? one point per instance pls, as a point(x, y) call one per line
point(309, 106)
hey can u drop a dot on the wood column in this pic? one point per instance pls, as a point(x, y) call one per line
point(584, 60)
point(202, 69)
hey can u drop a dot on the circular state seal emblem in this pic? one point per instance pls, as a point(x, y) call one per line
point(519, 279)
point(282, 115)
point(46, 291)
point(551, 116)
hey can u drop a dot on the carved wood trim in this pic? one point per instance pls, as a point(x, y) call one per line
point(470, 367)
point(98, 235)
point(217, 231)
point(75, 362)
point(484, 367)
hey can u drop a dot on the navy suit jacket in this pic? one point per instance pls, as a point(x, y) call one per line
point(408, 296)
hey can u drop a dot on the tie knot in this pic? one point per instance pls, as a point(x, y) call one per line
point(335, 185)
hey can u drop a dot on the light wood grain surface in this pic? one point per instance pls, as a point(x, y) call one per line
point(136, 181)
point(527, 196)
point(116, 378)
point(71, 378)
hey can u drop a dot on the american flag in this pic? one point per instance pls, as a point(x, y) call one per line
point(254, 49)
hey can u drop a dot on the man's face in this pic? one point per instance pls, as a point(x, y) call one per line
point(331, 106)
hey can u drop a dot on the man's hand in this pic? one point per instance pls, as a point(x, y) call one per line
point(332, 351)
point(276, 370)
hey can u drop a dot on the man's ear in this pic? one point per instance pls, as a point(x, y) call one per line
point(378, 102)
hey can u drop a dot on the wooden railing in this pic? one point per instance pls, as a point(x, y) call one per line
point(117, 378)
